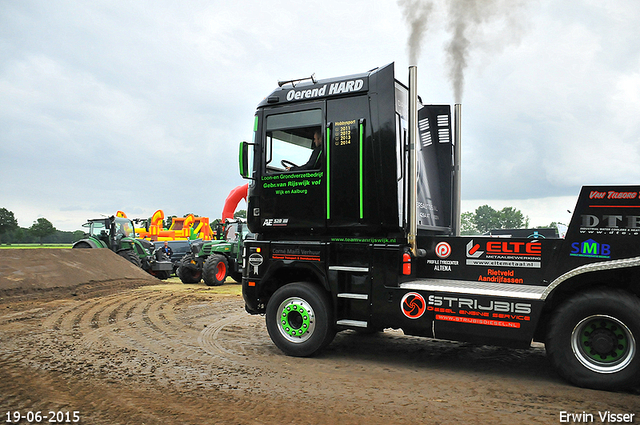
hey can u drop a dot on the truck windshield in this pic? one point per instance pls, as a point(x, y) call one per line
point(289, 139)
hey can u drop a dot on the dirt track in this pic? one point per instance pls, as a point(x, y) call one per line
point(188, 354)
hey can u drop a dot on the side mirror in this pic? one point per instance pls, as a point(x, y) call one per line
point(243, 158)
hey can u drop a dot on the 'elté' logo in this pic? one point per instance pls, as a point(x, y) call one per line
point(502, 248)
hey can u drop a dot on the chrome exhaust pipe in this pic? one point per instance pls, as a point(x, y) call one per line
point(413, 159)
point(457, 175)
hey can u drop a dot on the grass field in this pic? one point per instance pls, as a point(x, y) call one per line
point(35, 246)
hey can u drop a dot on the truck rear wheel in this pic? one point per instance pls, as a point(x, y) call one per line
point(593, 339)
point(215, 270)
point(188, 270)
point(299, 319)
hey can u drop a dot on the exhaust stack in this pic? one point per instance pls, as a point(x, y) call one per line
point(457, 175)
point(413, 159)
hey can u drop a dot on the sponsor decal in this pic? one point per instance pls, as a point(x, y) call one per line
point(610, 224)
point(255, 261)
point(451, 304)
point(590, 249)
point(292, 184)
point(298, 254)
point(443, 250)
point(473, 250)
point(365, 240)
point(413, 305)
point(478, 321)
point(275, 222)
point(499, 253)
point(515, 248)
point(442, 265)
point(505, 314)
point(500, 276)
point(612, 194)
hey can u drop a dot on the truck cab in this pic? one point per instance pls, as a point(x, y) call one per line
point(361, 232)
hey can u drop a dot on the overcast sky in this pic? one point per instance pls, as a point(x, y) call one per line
point(140, 105)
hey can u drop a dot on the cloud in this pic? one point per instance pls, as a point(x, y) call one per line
point(140, 106)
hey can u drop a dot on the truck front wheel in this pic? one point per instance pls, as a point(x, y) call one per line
point(215, 270)
point(593, 339)
point(299, 319)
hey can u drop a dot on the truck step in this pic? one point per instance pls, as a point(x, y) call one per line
point(352, 323)
point(349, 269)
point(353, 296)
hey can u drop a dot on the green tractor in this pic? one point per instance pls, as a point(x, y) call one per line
point(214, 260)
point(117, 234)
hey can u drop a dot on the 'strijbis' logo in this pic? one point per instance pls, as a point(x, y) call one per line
point(413, 305)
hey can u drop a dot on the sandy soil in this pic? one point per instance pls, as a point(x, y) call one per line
point(138, 351)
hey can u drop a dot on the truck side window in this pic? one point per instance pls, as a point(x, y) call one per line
point(290, 141)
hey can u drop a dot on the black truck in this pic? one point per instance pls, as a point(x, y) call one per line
point(366, 236)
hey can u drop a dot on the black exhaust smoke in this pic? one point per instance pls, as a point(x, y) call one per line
point(467, 21)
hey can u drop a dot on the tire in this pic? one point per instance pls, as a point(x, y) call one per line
point(131, 256)
point(593, 339)
point(162, 274)
point(188, 270)
point(299, 319)
point(82, 245)
point(215, 270)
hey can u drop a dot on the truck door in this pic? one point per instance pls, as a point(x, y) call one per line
point(292, 182)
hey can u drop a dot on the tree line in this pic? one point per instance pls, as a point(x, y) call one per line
point(484, 219)
point(41, 231)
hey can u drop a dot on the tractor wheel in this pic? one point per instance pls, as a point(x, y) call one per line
point(82, 245)
point(131, 256)
point(188, 270)
point(162, 274)
point(299, 319)
point(215, 270)
point(593, 339)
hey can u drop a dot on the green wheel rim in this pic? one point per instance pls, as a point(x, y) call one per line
point(603, 344)
point(296, 320)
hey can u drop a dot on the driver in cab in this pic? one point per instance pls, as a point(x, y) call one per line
point(314, 159)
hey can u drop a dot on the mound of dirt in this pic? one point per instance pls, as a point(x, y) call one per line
point(29, 272)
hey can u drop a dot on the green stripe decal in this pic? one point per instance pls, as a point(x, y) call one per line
point(361, 172)
point(328, 174)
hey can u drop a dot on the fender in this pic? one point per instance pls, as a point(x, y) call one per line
point(92, 242)
point(277, 265)
point(591, 267)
